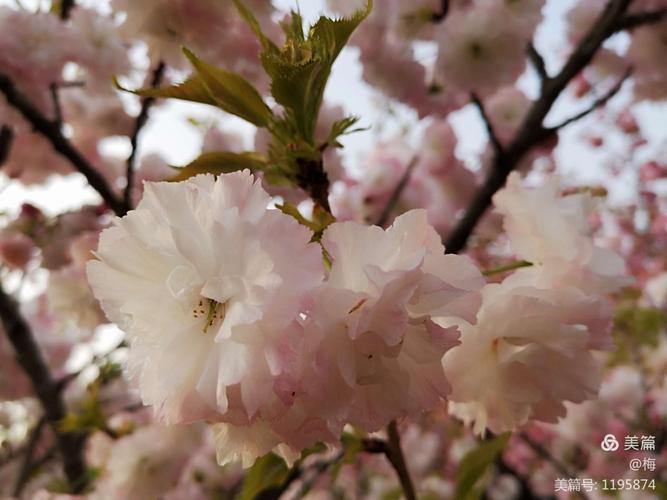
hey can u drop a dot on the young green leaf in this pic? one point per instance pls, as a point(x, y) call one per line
point(300, 70)
point(193, 89)
point(320, 218)
point(232, 92)
point(269, 471)
point(475, 463)
point(221, 162)
point(339, 128)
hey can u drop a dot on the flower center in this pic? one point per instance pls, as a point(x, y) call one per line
point(213, 311)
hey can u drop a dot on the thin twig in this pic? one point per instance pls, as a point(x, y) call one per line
point(60, 143)
point(537, 61)
point(32, 361)
point(440, 16)
point(6, 139)
point(319, 468)
point(57, 108)
point(26, 467)
point(544, 453)
point(395, 456)
point(634, 20)
point(597, 103)
point(139, 123)
point(392, 450)
point(497, 145)
point(396, 194)
point(66, 7)
point(532, 131)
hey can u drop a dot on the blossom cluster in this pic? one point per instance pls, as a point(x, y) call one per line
point(234, 316)
point(228, 299)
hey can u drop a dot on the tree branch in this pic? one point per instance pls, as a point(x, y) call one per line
point(532, 131)
point(66, 7)
point(632, 21)
point(437, 17)
point(396, 194)
point(598, 103)
point(392, 450)
point(32, 361)
point(52, 132)
point(6, 138)
point(497, 146)
point(57, 108)
point(537, 61)
point(395, 456)
point(141, 120)
point(26, 467)
point(544, 454)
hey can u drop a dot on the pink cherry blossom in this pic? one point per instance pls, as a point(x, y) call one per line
point(209, 288)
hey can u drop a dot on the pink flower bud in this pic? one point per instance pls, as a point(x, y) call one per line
point(16, 251)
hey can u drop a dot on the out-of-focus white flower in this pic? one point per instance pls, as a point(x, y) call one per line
point(648, 46)
point(147, 463)
point(506, 109)
point(99, 49)
point(211, 28)
point(479, 51)
point(205, 281)
point(72, 303)
point(553, 233)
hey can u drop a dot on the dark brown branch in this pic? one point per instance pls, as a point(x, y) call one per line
point(395, 456)
point(495, 142)
point(537, 61)
point(6, 139)
point(597, 103)
point(634, 20)
point(52, 132)
point(532, 131)
point(396, 194)
point(440, 16)
point(32, 361)
point(139, 123)
point(66, 7)
point(26, 467)
point(392, 450)
point(57, 108)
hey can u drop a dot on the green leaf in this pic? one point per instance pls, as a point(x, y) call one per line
point(268, 471)
point(342, 127)
point(232, 92)
point(300, 70)
point(475, 463)
point(320, 218)
point(221, 162)
point(193, 89)
point(249, 18)
point(634, 327)
point(353, 445)
point(511, 266)
point(89, 417)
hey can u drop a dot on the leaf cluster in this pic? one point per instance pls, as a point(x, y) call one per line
point(298, 71)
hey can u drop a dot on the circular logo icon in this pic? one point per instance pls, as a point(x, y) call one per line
point(609, 443)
